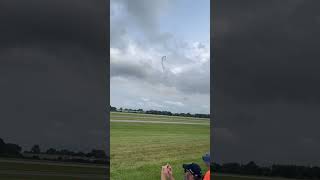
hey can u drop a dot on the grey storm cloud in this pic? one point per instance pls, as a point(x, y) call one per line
point(52, 21)
point(193, 81)
point(118, 33)
point(145, 13)
point(130, 69)
point(52, 73)
point(190, 81)
point(137, 45)
point(266, 88)
point(145, 16)
point(268, 54)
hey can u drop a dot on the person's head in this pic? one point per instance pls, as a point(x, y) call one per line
point(192, 171)
point(206, 159)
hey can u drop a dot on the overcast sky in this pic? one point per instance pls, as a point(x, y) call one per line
point(143, 31)
point(267, 76)
point(53, 73)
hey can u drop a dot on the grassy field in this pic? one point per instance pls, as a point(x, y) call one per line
point(150, 117)
point(138, 150)
point(23, 169)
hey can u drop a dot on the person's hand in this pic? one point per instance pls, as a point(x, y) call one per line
point(170, 172)
point(164, 172)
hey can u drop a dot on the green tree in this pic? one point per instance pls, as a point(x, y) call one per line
point(51, 151)
point(35, 149)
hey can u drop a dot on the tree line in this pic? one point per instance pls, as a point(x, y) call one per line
point(52, 151)
point(276, 170)
point(14, 150)
point(9, 149)
point(168, 113)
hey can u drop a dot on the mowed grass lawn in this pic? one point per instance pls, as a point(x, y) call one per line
point(138, 150)
point(151, 117)
point(18, 170)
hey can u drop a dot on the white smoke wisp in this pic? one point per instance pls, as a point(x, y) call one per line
point(162, 60)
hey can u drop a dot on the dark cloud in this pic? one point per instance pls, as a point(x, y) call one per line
point(145, 14)
point(189, 81)
point(137, 45)
point(192, 81)
point(52, 73)
point(52, 22)
point(266, 74)
point(130, 69)
point(275, 57)
point(141, 16)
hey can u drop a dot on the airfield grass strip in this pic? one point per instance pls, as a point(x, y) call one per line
point(114, 114)
point(139, 150)
point(50, 168)
point(156, 119)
